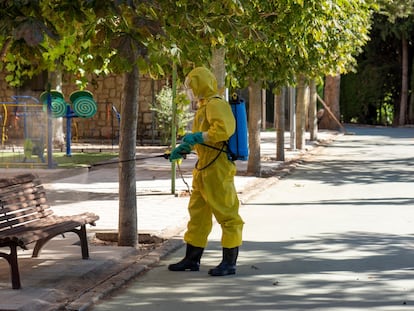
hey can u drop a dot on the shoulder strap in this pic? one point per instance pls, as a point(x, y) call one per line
point(215, 158)
point(215, 96)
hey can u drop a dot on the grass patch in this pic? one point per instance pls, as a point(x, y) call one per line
point(82, 158)
point(77, 159)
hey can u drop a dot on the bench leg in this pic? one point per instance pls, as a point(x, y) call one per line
point(14, 266)
point(83, 241)
point(82, 237)
point(38, 246)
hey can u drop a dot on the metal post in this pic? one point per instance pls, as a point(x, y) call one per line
point(49, 129)
point(292, 112)
point(68, 131)
point(25, 114)
point(174, 125)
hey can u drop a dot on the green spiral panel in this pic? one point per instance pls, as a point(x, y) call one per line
point(83, 104)
point(58, 106)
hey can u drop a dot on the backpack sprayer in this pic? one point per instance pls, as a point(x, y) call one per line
point(238, 147)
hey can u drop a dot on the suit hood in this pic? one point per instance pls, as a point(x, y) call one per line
point(202, 82)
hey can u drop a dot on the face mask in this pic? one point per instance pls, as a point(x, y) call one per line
point(190, 95)
point(189, 92)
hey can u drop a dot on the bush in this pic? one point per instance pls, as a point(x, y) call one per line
point(163, 109)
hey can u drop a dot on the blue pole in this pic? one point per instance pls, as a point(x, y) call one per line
point(26, 134)
point(68, 130)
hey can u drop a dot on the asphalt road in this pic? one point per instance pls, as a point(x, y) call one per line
point(336, 234)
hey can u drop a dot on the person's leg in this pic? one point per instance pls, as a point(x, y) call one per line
point(200, 224)
point(198, 228)
point(223, 200)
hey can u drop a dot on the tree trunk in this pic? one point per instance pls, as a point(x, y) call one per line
point(128, 231)
point(253, 165)
point(264, 118)
point(411, 96)
point(331, 98)
point(301, 114)
point(280, 99)
point(58, 134)
point(404, 82)
point(292, 117)
point(313, 119)
point(218, 68)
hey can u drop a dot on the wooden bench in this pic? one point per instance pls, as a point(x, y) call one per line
point(26, 217)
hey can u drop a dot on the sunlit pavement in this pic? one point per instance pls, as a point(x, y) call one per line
point(335, 235)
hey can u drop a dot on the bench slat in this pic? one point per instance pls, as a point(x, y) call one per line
point(20, 189)
point(19, 195)
point(6, 227)
point(22, 201)
point(19, 213)
point(22, 206)
point(24, 178)
point(16, 197)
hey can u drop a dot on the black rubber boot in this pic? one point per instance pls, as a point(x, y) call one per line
point(191, 261)
point(228, 265)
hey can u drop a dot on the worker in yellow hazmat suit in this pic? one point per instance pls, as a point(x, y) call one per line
point(213, 192)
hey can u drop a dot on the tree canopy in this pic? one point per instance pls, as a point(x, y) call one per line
point(265, 40)
point(77, 36)
point(291, 38)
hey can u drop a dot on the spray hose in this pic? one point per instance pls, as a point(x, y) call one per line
point(165, 155)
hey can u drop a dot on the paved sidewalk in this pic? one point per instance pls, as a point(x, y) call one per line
point(60, 280)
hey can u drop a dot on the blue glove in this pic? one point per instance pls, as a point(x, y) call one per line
point(180, 151)
point(193, 138)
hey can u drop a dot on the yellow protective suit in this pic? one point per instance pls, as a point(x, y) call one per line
point(213, 192)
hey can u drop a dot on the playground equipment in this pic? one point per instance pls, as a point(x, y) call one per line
point(82, 105)
point(24, 113)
